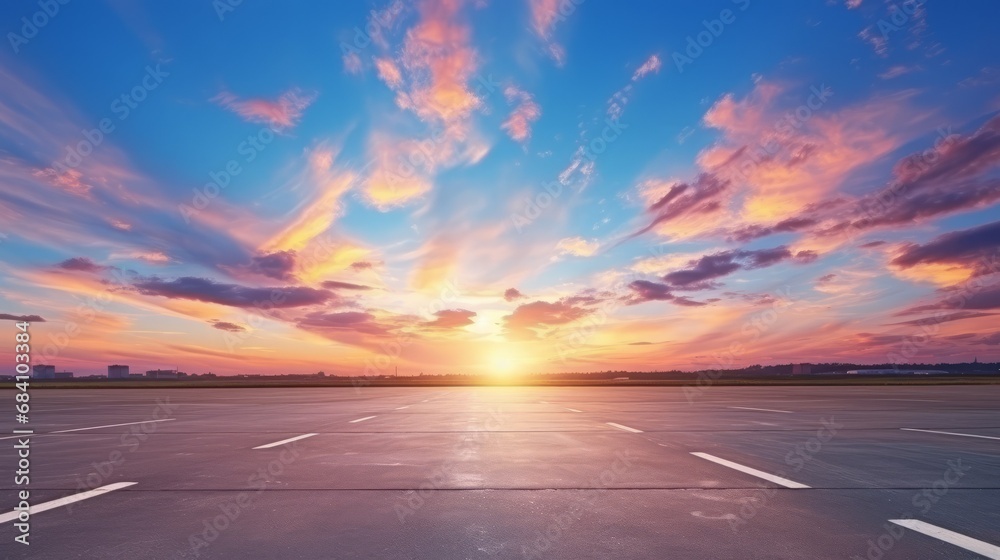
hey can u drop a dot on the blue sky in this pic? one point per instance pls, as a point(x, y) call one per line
point(343, 186)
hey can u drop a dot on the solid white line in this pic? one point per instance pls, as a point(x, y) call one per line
point(38, 508)
point(762, 409)
point(361, 419)
point(957, 539)
point(759, 474)
point(111, 426)
point(626, 428)
point(284, 441)
point(572, 409)
point(402, 407)
point(949, 433)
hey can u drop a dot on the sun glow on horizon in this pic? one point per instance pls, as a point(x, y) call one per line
point(504, 361)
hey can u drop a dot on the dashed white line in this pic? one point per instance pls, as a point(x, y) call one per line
point(949, 433)
point(751, 471)
point(626, 428)
point(112, 426)
point(957, 539)
point(761, 409)
point(572, 409)
point(38, 508)
point(284, 441)
point(361, 419)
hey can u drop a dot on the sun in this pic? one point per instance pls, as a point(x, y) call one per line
point(502, 365)
point(504, 362)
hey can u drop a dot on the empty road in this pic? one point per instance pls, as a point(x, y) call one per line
point(509, 472)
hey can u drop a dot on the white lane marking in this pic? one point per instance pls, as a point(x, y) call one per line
point(402, 407)
point(949, 433)
point(45, 506)
point(284, 441)
point(361, 419)
point(751, 471)
point(626, 428)
point(111, 426)
point(957, 539)
point(572, 409)
point(761, 409)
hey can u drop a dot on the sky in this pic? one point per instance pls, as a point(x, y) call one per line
point(487, 187)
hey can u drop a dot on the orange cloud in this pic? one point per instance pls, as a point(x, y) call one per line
point(327, 185)
point(440, 61)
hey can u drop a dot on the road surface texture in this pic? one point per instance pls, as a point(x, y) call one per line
point(509, 472)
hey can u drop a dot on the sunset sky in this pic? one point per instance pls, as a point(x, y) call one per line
point(491, 187)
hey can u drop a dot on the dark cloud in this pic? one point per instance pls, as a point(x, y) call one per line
point(81, 264)
point(645, 290)
point(943, 318)
point(978, 248)
point(717, 265)
point(950, 178)
point(28, 318)
point(973, 296)
point(872, 244)
point(234, 295)
point(278, 265)
point(699, 197)
point(707, 267)
point(357, 321)
point(226, 326)
point(755, 231)
point(918, 206)
point(688, 302)
point(336, 285)
point(513, 294)
point(869, 340)
point(362, 265)
point(451, 319)
point(826, 278)
point(586, 297)
point(992, 339)
point(806, 257)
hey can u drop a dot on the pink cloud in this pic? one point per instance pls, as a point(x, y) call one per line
point(284, 112)
point(352, 63)
point(544, 17)
point(518, 125)
point(651, 66)
point(440, 60)
point(389, 72)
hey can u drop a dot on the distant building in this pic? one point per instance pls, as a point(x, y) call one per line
point(801, 369)
point(42, 371)
point(63, 375)
point(118, 372)
point(896, 372)
point(161, 374)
